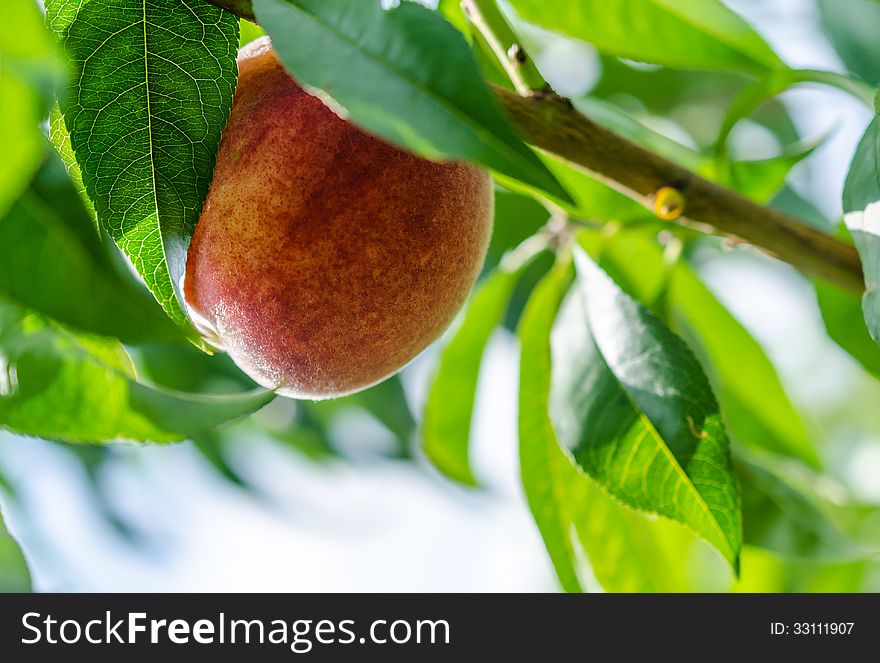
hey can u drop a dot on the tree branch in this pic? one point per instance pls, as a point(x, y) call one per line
point(551, 123)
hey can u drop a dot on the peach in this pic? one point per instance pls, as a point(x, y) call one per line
point(325, 259)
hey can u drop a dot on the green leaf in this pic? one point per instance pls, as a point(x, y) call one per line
point(29, 72)
point(182, 367)
point(248, 32)
point(627, 551)
point(14, 573)
point(450, 403)
point(686, 34)
point(60, 139)
point(845, 323)
point(517, 217)
point(861, 206)
point(779, 517)
point(210, 447)
point(60, 385)
point(762, 179)
point(153, 87)
point(451, 10)
point(52, 261)
point(547, 474)
point(633, 405)
point(791, 202)
point(387, 403)
point(851, 26)
point(756, 409)
point(594, 200)
point(405, 74)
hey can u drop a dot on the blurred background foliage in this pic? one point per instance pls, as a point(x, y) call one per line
point(298, 477)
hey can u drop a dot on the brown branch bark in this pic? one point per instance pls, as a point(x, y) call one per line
point(551, 123)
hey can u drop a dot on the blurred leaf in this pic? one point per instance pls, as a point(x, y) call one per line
point(762, 179)
point(405, 74)
point(181, 367)
point(688, 34)
point(758, 179)
point(611, 117)
point(794, 204)
point(451, 10)
point(14, 574)
point(756, 407)
point(94, 460)
point(851, 26)
point(768, 572)
point(861, 206)
point(308, 434)
point(154, 84)
point(627, 551)
point(594, 200)
point(29, 72)
point(845, 323)
point(60, 139)
point(210, 446)
point(60, 385)
point(661, 90)
point(450, 403)
point(51, 261)
point(633, 405)
point(780, 518)
point(517, 218)
point(387, 403)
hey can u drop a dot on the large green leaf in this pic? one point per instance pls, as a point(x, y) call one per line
point(405, 74)
point(632, 404)
point(627, 552)
point(450, 403)
point(152, 90)
point(861, 206)
point(756, 409)
point(29, 71)
point(687, 34)
point(60, 385)
point(14, 574)
point(52, 261)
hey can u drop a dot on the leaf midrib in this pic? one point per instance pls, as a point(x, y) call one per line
point(666, 451)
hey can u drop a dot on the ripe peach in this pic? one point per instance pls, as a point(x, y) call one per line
point(325, 259)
